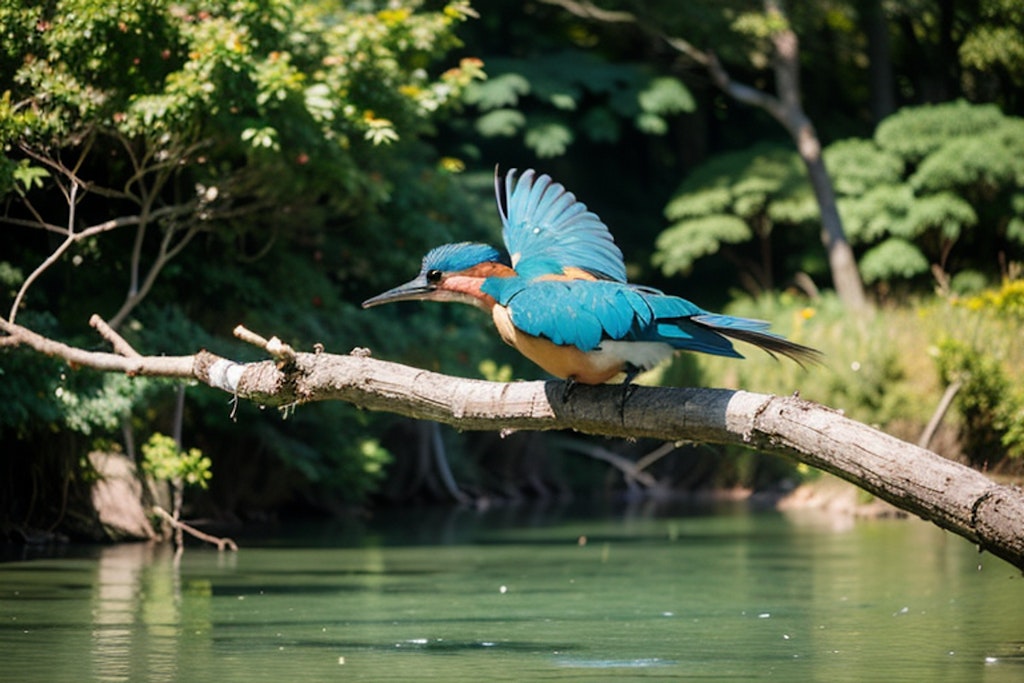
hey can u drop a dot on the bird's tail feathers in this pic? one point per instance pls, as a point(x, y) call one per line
point(755, 332)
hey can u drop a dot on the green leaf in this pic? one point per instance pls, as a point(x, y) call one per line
point(893, 258)
point(29, 176)
point(652, 124)
point(991, 160)
point(548, 138)
point(701, 202)
point(858, 165)
point(500, 123)
point(914, 132)
point(497, 91)
point(666, 95)
point(871, 216)
point(688, 240)
point(945, 211)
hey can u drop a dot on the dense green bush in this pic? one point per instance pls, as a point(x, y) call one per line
point(987, 367)
point(938, 186)
point(227, 162)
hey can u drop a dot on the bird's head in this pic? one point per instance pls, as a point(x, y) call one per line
point(451, 272)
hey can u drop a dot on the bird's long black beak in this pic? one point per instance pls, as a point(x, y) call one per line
point(416, 289)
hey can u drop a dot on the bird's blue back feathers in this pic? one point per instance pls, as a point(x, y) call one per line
point(546, 229)
point(583, 313)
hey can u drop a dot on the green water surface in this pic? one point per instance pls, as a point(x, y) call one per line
point(526, 595)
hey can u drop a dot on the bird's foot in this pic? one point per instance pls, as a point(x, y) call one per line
point(628, 389)
point(570, 386)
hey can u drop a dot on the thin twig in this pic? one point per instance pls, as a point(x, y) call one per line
point(274, 346)
point(222, 542)
point(117, 341)
point(249, 337)
point(940, 412)
point(52, 258)
point(657, 454)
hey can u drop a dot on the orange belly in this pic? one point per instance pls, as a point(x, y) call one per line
point(593, 367)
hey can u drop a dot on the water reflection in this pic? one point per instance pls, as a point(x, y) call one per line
point(143, 616)
point(522, 595)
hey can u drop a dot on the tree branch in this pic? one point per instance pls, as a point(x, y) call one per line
point(952, 496)
point(785, 106)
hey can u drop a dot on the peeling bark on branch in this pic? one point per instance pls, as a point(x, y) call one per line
point(953, 496)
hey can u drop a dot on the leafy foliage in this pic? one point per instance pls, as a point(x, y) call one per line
point(893, 258)
point(936, 186)
point(980, 399)
point(549, 98)
point(164, 461)
point(990, 400)
point(284, 137)
point(732, 199)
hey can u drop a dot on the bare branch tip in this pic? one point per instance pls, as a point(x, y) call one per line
point(249, 337)
point(121, 347)
point(278, 349)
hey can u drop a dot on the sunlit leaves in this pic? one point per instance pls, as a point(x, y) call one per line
point(497, 92)
point(164, 461)
point(936, 180)
point(501, 123)
point(892, 259)
point(549, 138)
point(690, 239)
point(28, 175)
point(268, 74)
point(548, 99)
point(665, 95)
point(858, 166)
point(914, 132)
point(732, 199)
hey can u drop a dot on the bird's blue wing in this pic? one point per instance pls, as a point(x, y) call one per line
point(576, 313)
point(582, 313)
point(546, 229)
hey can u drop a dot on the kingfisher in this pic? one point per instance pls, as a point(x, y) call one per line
point(560, 296)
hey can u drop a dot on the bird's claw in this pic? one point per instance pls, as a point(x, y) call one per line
point(570, 386)
point(628, 389)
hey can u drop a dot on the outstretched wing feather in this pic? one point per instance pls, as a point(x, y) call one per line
point(545, 224)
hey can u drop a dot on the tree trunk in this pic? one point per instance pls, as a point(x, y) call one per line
point(880, 77)
point(787, 108)
point(953, 496)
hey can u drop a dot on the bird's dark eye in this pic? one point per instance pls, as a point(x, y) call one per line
point(433, 276)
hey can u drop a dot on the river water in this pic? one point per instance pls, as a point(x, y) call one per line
point(526, 594)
